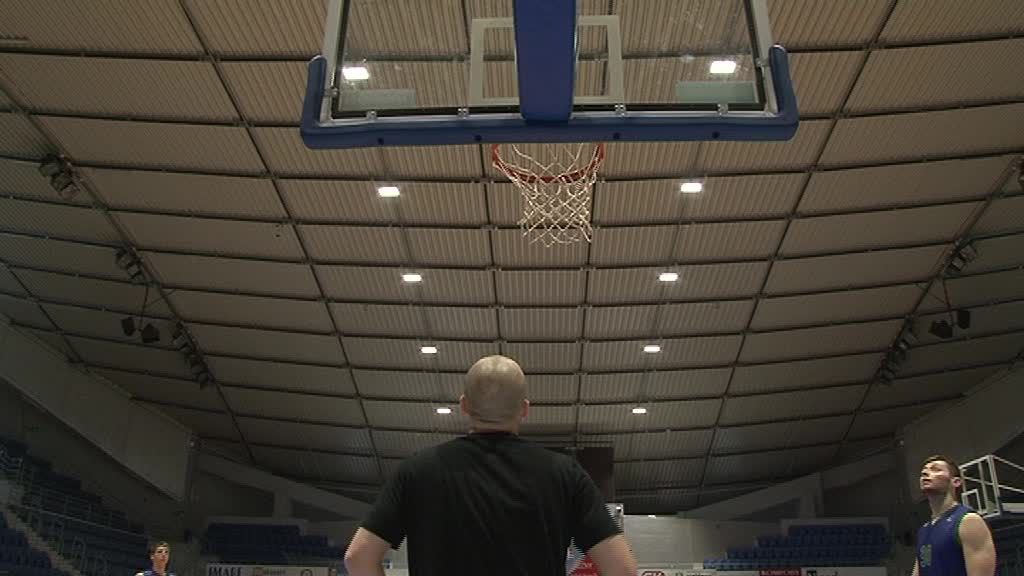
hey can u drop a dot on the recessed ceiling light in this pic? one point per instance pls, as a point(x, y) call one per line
point(639, 410)
point(355, 73)
point(652, 348)
point(691, 187)
point(428, 350)
point(388, 191)
point(412, 278)
point(444, 411)
point(723, 67)
point(668, 277)
point(651, 516)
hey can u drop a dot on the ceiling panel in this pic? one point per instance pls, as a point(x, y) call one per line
point(674, 473)
point(9, 283)
point(846, 271)
point(803, 24)
point(24, 312)
point(439, 286)
point(835, 307)
point(985, 320)
point(286, 155)
point(778, 435)
point(927, 388)
point(420, 416)
point(668, 320)
point(206, 424)
point(775, 465)
point(226, 149)
point(254, 311)
point(654, 385)
point(962, 353)
point(267, 92)
point(55, 342)
point(292, 406)
point(260, 28)
point(548, 420)
point(675, 353)
point(392, 443)
point(281, 375)
point(19, 138)
point(60, 256)
point(405, 353)
point(430, 385)
point(355, 244)
point(797, 153)
point(105, 324)
point(548, 324)
point(21, 179)
point(313, 465)
point(232, 275)
point(632, 246)
point(661, 444)
point(301, 435)
point(726, 197)
point(420, 203)
point(823, 341)
point(212, 237)
point(858, 449)
point(954, 74)
point(650, 160)
point(902, 184)
point(104, 294)
point(135, 357)
point(872, 230)
point(513, 250)
point(559, 357)
point(143, 27)
point(191, 194)
point(696, 282)
point(268, 344)
point(411, 321)
point(596, 419)
point(926, 20)
point(433, 162)
point(552, 388)
point(761, 378)
point(784, 405)
point(164, 390)
point(116, 87)
point(441, 247)
point(916, 136)
point(1002, 216)
point(978, 289)
point(821, 80)
point(62, 221)
point(997, 253)
point(728, 241)
point(882, 422)
point(546, 288)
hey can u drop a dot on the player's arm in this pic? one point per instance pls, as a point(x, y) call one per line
point(365, 555)
point(613, 557)
point(596, 533)
point(979, 551)
point(383, 528)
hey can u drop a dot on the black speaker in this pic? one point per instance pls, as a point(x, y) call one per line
point(963, 319)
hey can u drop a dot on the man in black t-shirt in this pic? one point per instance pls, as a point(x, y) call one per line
point(490, 503)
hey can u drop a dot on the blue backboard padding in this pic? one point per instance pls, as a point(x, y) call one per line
point(545, 58)
point(592, 127)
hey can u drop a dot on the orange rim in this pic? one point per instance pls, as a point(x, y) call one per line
point(595, 163)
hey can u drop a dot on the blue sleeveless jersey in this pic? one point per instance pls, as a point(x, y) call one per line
point(939, 552)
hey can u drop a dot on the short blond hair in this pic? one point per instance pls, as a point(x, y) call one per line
point(495, 390)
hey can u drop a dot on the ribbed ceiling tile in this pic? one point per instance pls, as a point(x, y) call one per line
point(659, 385)
point(164, 390)
point(309, 465)
point(416, 321)
point(232, 275)
point(651, 475)
point(107, 324)
point(420, 416)
point(268, 344)
point(204, 423)
point(979, 289)
point(544, 288)
point(549, 420)
point(803, 24)
point(446, 247)
point(551, 388)
point(293, 406)
point(281, 375)
point(763, 378)
point(986, 319)
point(655, 444)
point(261, 27)
point(635, 246)
point(874, 230)
point(802, 404)
point(110, 26)
point(9, 283)
point(134, 357)
point(879, 422)
point(62, 221)
point(354, 244)
point(306, 436)
point(945, 75)
point(902, 184)
point(157, 145)
point(927, 388)
point(267, 92)
point(675, 353)
point(773, 466)
point(439, 286)
point(212, 237)
point(427, 385)
point(127, 88)
point(796, 154)
point(650, 159)
point(433, 162)
point(928, 20)
point(255, 311)
point(854, 270)
point(545, 324)
point(104, 294)
point(650, 321)
point(996, 253)
point(5, 101)
point(550, 357)
point(776, 435)
point(853, 450)
point(923, 135)
point(402, 444)
point(828, 341)
point(21, 179)
point(393, 353)
point(728, 197)
point(835, 307)
point(514, 250)
point(56, 343)
point(422, 203)
point(191, 194)
point(286, 155)
point(19, 138)
point(704, 281)
point(728, 241)
point(962, 353)
point(821, 80)
point(24, 312)
point(660, 416)
point(1003, 215)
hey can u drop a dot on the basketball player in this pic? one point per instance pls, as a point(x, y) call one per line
point(160, 555)
point(490, 502)
point(956, 541)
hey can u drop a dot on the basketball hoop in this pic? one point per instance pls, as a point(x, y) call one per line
point(556, 193)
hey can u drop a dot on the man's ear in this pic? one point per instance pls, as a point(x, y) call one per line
point(464, 405)
point(526, 409)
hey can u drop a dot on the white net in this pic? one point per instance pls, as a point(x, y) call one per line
point(555, 184)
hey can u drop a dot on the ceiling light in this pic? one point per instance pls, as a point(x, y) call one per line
point(444, 411)
point(150, 334)
point(723, 67)
point(651, 516)
point(652, 348)
point(388, 191)
point(668, 277)
point(639, 410)
point(412, 278)
point(428, 350)
point(355, 73)
point(691, 187)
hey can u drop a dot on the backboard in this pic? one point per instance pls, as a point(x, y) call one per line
point(417, 72)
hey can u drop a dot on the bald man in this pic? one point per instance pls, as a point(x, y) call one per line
point(490, 502)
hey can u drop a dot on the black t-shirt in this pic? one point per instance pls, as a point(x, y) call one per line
point(491, 504)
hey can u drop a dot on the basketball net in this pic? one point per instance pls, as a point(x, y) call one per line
point(556, 189)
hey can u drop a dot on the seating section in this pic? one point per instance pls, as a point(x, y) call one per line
point(96, 539)
point(266, 543)
point(811, 545)
point(17, 557)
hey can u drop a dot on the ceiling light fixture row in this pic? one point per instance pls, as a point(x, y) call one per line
point(184, 344)
point(62, 177)
point(960, 258)
point(897, 354)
